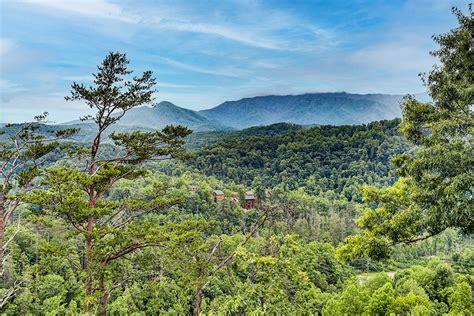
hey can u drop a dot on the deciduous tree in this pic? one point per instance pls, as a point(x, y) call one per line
point(434, 191)
point(27, 148)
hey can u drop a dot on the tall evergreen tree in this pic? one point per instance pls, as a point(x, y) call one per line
point(80, 194)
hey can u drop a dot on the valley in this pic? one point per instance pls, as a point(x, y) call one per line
point(328, 203)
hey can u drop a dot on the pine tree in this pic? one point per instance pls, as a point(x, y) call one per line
point(79, 194)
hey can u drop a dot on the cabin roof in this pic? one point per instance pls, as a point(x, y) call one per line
point(218, 192)
point(250, 197)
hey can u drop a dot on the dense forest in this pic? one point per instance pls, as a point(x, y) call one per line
point(338, 158)
point(372, 219)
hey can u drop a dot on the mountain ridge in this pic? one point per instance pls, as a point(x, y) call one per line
point(166, 113)
point(325, 108)
point(333, 108)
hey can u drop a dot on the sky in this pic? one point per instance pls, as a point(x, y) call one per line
point(206, 52)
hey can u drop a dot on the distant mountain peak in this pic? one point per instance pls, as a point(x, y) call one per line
point(165, 104)
point(167, 113)
point(324, 108)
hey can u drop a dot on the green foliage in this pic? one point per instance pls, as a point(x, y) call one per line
point(320, 159)
point(382, 300)
point(111, 230)
point(199, 140)
point(434, 191)
point(272, 273)
point(460, 299)
point(24, 152)
point(352, 300)
point(273, 278)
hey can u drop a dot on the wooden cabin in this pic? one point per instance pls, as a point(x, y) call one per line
point(218, 195)
point(249, 200)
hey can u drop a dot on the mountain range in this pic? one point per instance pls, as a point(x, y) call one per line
point(312, 108)
point(306, 109)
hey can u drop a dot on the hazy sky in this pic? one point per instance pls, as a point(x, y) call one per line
point(206, 52)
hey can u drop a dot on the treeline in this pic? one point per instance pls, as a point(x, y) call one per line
point(199, 140)
point(336, 158)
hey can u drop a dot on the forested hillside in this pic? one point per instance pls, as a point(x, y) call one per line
point(338, 158)
point(201, 139)
point(290, 263)
point(368, 219)
point(196, 140)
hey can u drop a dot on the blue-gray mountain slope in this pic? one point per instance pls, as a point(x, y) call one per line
point(312, 108)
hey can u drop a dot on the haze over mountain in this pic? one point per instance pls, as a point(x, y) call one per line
point(306, 109)
point(311, 108)
point(165, 113)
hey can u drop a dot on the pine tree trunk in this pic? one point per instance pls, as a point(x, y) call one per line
point(199, 300)
point(90, 227)
point(88, 266)
point(104, 298)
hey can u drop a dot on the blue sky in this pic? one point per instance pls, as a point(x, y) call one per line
point(207, 52)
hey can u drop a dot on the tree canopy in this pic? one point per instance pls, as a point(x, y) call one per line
point(434, 189)
point(125, 224)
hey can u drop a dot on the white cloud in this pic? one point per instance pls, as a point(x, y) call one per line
point(174, 85)
point(89, 78)
point(226, 32)
point(93, 8)
point(222, 71)
point(256, 26)
point(12, 55)
point(24, 107)
point(10, 86)
point(7, 46)
point(394, 57)
point(262, 28)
